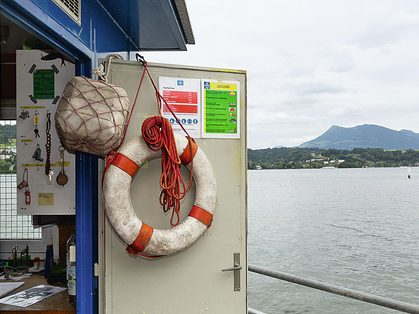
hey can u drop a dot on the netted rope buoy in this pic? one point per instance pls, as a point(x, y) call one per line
point(92, 116)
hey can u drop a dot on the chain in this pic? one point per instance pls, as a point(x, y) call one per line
point(48, 145)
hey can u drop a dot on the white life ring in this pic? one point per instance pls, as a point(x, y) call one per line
point(141, 238)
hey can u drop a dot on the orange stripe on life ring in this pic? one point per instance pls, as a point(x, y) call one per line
point(201, 215)
point(188, 154)
point(143, 238)
point(125, 164)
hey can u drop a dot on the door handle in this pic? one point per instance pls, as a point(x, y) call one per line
point(232, 268)
point(236, 268)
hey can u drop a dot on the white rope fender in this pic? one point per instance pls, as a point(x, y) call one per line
point(130, 229)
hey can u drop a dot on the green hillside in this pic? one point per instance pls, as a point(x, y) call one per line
point(298, 158)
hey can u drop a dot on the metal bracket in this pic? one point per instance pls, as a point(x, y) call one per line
point(96, 270)
point(236, 269)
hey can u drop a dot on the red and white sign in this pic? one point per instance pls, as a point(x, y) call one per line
point(181, 102)
point(183, 97)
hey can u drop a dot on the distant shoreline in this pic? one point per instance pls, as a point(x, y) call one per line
point(316, 158)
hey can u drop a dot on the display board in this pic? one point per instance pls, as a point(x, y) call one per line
point(211, 105)
point(45, 171)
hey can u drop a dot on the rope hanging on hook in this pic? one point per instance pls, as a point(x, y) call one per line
point(159, 97)
point(158, 134)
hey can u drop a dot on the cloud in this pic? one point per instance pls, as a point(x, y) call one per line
point(311, 64)
point(309, 88)
point(274, 120)
point(340, 59)
point(389, 30)
point(343, 112)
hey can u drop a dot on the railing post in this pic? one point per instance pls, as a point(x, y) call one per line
point(253, 311)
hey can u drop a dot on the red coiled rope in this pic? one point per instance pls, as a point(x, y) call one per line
point(158, 134)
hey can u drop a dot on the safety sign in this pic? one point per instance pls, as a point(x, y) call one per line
point(221, 109)
point(182, 97)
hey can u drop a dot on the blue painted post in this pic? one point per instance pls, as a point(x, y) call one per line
point(86, 223)
point(86, 232)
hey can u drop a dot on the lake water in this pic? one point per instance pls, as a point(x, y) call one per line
point(356, 228)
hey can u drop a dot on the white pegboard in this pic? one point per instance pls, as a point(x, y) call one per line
point(40, 84)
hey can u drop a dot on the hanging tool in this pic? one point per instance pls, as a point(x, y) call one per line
point(62, 178)
point(37, 153)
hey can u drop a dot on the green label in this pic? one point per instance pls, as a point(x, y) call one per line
point(43, 84)
point(221, 111)
point(71, 283)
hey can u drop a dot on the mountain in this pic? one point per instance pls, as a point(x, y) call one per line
point(364, 136)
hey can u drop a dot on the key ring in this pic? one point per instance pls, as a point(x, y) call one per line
point(28, 197)
point(36, 122)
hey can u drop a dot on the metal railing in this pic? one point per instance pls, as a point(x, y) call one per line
point(354, 294)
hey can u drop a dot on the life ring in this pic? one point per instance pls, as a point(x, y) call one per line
point(141, 238)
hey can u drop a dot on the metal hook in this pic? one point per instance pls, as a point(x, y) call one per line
point(48, 120)
point(140, 58)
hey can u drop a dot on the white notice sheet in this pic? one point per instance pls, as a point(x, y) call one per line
point(182, 95)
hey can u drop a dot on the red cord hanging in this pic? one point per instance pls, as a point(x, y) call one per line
point(158, 134)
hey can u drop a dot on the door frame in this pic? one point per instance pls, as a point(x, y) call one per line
point(86, 165)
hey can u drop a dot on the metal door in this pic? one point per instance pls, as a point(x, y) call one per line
point(193, 280)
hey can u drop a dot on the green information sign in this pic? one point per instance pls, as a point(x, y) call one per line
point(43, 84)
point(221, 108)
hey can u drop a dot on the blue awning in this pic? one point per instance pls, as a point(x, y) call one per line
point(153, 25)
point(105, 26)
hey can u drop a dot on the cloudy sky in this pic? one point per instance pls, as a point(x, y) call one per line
point(312, 64)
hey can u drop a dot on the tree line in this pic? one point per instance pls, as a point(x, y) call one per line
point(298, 158)
point(7, 156)
point(7, 133)
point(272, 158)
